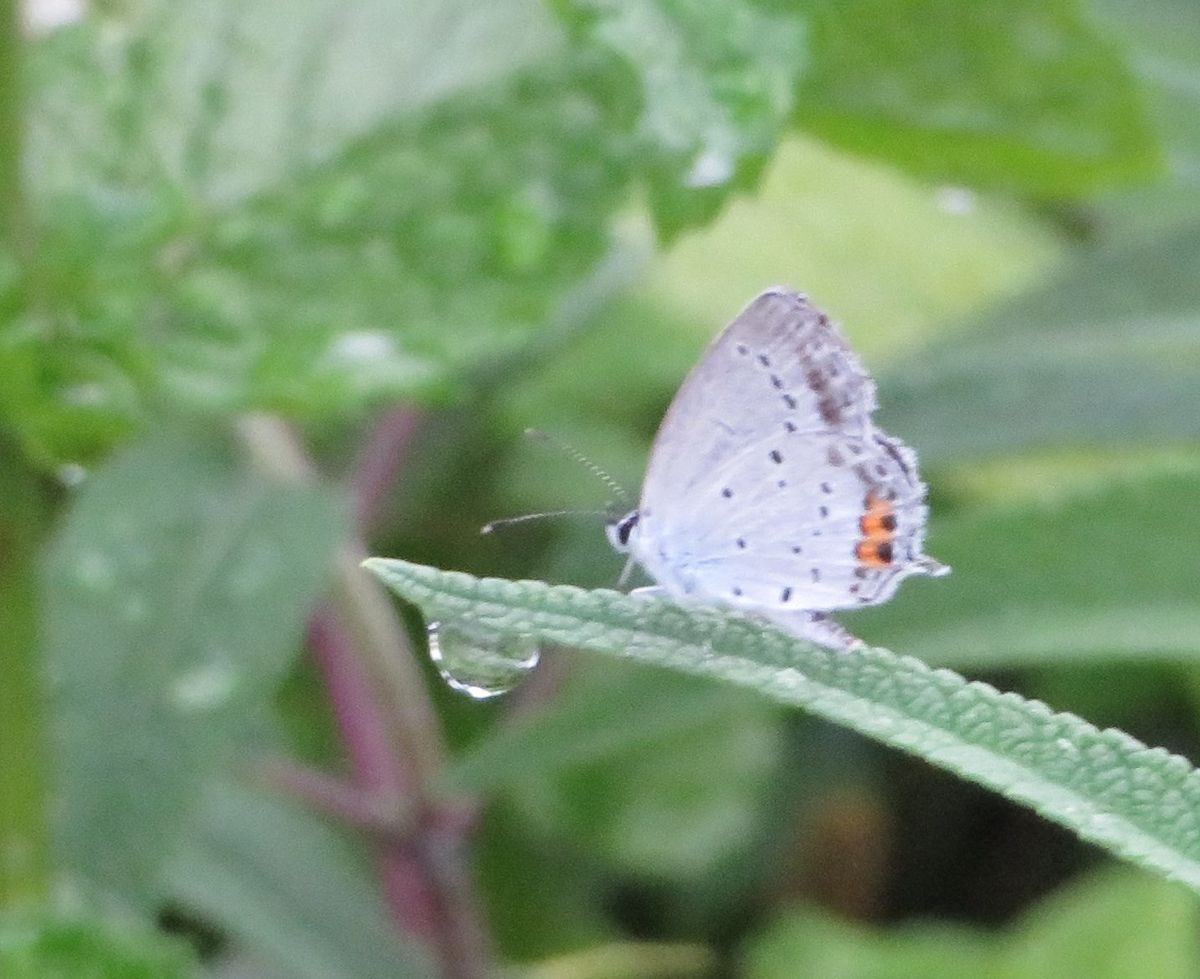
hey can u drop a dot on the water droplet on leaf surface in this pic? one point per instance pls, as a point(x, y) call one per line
point(478, 661)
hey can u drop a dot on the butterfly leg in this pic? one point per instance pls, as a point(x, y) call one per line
point(817, 627)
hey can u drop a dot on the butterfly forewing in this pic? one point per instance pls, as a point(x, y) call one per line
point(779, 367)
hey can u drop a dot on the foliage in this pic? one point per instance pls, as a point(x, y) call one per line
point(47, 948)
point(235, 237)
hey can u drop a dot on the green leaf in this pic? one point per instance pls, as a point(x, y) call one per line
point(1106, 351)
point(1111, 925)
point(230, 99)
point(241, 208)
point(1024, 96)
point(410, 264)
point(1157, 37)
point(36, 946)
point(716, 83)
point(175, 594)
point(656, 772)
point(289, 889)
point(1141, 803)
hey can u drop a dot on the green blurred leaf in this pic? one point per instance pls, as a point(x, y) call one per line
point(1106, 351)
point(49, 947)
point(716, 84)
point(411, 264)
point(1158, 41)
point(1141, 803)
point(814, 944)
point(229, 99)
point(1076, 579)
point(1111, 925)
point(245, 207)
point(289, 889)
point(1025, 96)
point(174, 598)
point(657, 773)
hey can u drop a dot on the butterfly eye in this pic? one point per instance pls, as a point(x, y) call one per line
point(620, 531)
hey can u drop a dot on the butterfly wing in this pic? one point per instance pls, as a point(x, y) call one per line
point(768, 485)
point(813, 384)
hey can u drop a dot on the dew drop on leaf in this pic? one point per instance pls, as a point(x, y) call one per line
point(480, 662)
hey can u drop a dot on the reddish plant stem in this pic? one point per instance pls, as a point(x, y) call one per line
point(386, 721)
point(358, 714)
point(379, 462)
point(336, 797)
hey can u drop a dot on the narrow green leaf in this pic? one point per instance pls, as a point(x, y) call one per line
point(289, 889)
point(1024, 95)
point(1141, 803)
point(1107, 350)
point(175, 595)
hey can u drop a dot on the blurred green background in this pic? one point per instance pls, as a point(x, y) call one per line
point(283, 283)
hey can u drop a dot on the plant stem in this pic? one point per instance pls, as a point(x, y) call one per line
point(390, 730)
point(24, 838)
point(380, 460)
point(11, 123)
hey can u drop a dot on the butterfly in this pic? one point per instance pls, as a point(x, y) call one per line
point(769, 488)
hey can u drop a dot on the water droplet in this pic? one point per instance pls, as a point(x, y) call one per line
point(206, 687)
point(479, 662)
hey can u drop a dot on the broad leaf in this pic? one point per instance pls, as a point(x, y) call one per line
point(288, 889)
point(1024, 95)
point(716, 84)
point(313, 220)
point(174, 597)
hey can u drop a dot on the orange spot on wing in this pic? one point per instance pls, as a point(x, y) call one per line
point(873, 553)
point(878, 525)
point(879, 518)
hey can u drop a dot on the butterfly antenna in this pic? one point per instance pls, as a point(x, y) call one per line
point(492, 525)
point(573, 453)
